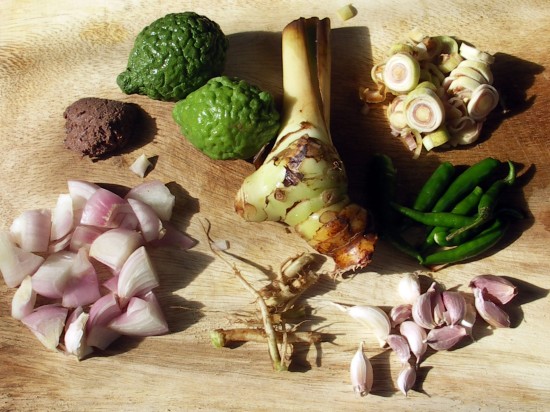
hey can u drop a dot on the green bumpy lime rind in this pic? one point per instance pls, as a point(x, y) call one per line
point(174, 56)
point(228, 118)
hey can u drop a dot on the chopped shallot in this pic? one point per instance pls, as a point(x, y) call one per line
point(47, 323)
point(140, 165)
point(90, 221)
point(155, 194)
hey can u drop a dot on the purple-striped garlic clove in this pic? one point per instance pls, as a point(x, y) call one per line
point(445, 337)
point(493, 314)
point(498, 289)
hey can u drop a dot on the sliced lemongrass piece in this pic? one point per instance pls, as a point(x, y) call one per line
point(418, 142)
point(415, 35)
point(401, 73)
point(483, 100)
point(346, 12)
point(462, 86)
point(436, 72)
point(481, 67)
point(465, 131)
point(436, 138)
point(448, 44)
point(373, 96)
point(424, 110)
point(462, 70)
point(448, 62)
point(23, 300)
point(395, 114)
point(472, 53)
point(400, 48)
point(377, 73)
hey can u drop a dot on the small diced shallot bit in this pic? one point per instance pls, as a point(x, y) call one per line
point(47, 323)
point(90, 221)
point(141, 165)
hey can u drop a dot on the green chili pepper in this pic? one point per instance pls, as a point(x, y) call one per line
point(488, 202)
point(383, 175)
point(464, 207)
point(474, 247)
point(434, 187)
point(445, 219)
point(465, 182)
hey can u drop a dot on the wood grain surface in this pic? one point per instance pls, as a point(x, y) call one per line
point(53, 53)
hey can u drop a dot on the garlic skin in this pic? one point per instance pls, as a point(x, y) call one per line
point(416, 337)
point(497, 289)
point(491, 313)
point(409, 288)
point(406, 378)
point(361, 373)
point(374, 318)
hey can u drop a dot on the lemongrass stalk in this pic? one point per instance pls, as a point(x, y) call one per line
point(303, 182)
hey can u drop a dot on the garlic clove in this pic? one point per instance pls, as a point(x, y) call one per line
point(469, 319)
point(445, 337)
point(409, 288)
point(400, 313)
point(361, 372)
point(493, 314)
point(400, 346)
point(406, 378)
point(416, 337)
point(373, 318)
point(455, 307)
point(438, 307)
point(497, 289)
point(422, 311)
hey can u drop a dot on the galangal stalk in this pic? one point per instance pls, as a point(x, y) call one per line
point(302, 182)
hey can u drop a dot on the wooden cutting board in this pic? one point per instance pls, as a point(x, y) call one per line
point(52, 53)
